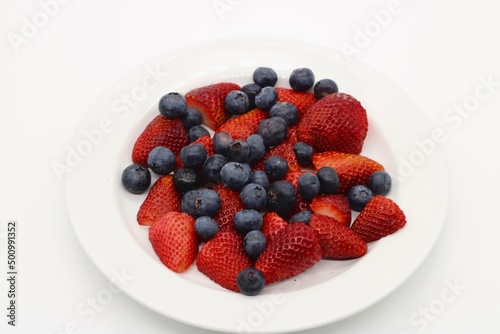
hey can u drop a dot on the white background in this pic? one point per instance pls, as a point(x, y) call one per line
point(436, 51)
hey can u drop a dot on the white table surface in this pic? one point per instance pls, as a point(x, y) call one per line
point(438, 52)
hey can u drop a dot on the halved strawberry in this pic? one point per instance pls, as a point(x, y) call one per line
point(379, 218)
point(284, 150)
point(337, 122)
point(242, 126)
point(337, 240)
point(231, 203)
point(272, 223)
point(300, 204)
point(352, 169)
point(289, 252)
point(174, 240)
point(161, 131)
point(301, 100)
point(335, 206)
point(222, 258)
point(207, 142)
point(209, 101)
point(161, 199)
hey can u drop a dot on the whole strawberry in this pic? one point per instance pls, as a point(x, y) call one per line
point(161, 199)
point(301, 100)
point(242, 126)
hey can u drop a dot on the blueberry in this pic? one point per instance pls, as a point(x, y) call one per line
point(193, 155)
point(325, 87)
point(254, 244)
point(254, 196)
point(247, 220)
point(161, 160)
point(301, 79)
point(196, 132)
point(380, 183)
point(235, 175)
point(302, 217)
point(221, 142)
point(328, 180)
point(206, 227)
point(304, 153)
point(238, 150)
point(250, 281)
point(191, 118)
point(251, 90)
point(266, 98)
point(285, 110)
point(260, 177)
point(136, 178)
point(281, 197)
point(275, 167)
point(308, 186)
point(212, 167)
point(265, 76)
point(186, 178)
point(236, 102)
point(359, 196)
point(201, 202)
point(173, 105)
point(257, 149)
point(273, 130)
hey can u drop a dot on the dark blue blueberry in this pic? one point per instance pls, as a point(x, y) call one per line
point(281, 197)
point(325, 87)
point(238, 150)
point(254, 244)
point(236, 102)
point(235, 175)
point(136, 178)
point(206, 227)
point(285, 110)
point(251, 90)
point(328, 180)
point(304, 153)
point(186, 178)
point(254, 196)
point(221, 142)
point(161, 160)
point(196, 132)
point(265, 76)
point(212, 167)
point(191, 118)
point(260, 177)
point(301, 79)
point(266, 98)
point(247, 220)
point(173, 105)
point(359, 196)
point(308, 186)
point(302, 217)
point(250, 281)
point(193, 155)
point(273, 130)
point(275, 167)
point(256, 147)
point(380, 183)
point(201, 202)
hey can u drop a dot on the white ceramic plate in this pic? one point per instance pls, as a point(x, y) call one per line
point(103, 213)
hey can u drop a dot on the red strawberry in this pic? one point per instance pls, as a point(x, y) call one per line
point(207, 142)
point(291, 137)
point(242, 126)
point(289, 252)
point(300, 204)
point(380, 217)
point(336, 122)
point(337, 240)
point(284, 150)
point(222, 258)
point(231, 203)
point(301, 100)
point(352, 169)
point(335, 206)
point(272, 223)
point(174, 240)
point(209, 101)
point(161, 199)
point(161, 131)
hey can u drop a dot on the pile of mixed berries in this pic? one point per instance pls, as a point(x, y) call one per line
point(271, 192)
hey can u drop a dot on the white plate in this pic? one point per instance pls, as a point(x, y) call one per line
point(103, 214)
